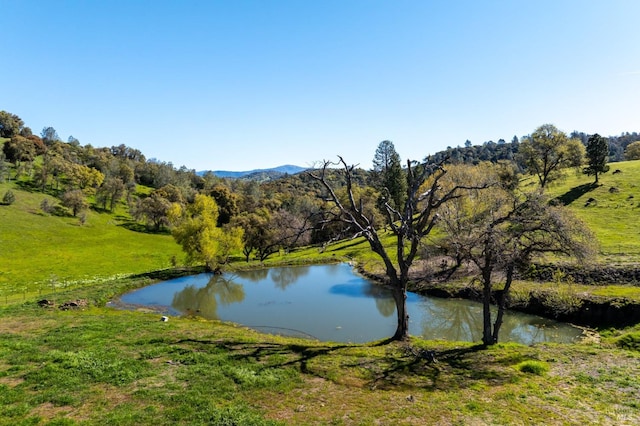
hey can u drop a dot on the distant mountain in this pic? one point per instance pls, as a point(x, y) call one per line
point(259, 174)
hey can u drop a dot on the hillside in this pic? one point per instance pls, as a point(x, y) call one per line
point(611, 208)
point(39, 251)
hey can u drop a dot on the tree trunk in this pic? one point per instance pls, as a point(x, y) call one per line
point(502, 303)
point(400, 297)
point(487, 337)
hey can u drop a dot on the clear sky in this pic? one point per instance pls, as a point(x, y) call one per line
point(239, 85)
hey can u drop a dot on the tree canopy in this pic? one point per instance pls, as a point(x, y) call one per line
point(597, 156)
point(548, 150)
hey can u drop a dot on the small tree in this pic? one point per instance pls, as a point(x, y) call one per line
point(597, 156)
point(153, 209)
point(74, 200)
point(196, 231)
point(547, 151)
point(9, 197)
point(388, 175)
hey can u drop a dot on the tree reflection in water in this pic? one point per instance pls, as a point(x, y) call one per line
point(284, 277)
point(384, 301)
point(256, 275)
point(356, 288)
point(204, 301)
point(463, 322)
point(455, 322)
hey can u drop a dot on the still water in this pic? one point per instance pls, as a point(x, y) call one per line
point(332, 303)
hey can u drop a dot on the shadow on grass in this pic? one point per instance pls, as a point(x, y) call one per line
point(574, 193)
point(401, 367)
point(134, 226)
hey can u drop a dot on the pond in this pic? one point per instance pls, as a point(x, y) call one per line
point(331, 303)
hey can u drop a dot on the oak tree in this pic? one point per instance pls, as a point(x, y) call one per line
point(547, 151)
point(409, 224)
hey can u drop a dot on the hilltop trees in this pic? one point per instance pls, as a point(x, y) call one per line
point(10, 124)
point(632, 152)
point(548, 150)
point(597, 156)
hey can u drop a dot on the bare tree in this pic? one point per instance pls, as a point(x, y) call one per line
point(502, 230)
point(410, 224)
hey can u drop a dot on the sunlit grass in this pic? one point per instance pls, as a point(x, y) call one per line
point(611, 209)
point(103, 366)
point(41, 252)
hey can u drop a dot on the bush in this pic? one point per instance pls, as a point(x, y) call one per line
point(629, 341)
point(538, 368)
point(9, 197)
point(46, 206)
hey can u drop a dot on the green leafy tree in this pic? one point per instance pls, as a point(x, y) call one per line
point(49, 135)
point(597, 156)
point(547, 151)
point(153, 209)
point(632, 152)
point(197, 232)
point(111, 191)
point(19, 149)
point(83, 177)
point(227, 203)
point(10, 124)
point(9, 197)
point(389, 177)
point(74, 200)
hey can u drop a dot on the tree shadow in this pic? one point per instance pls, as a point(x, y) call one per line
point(574, 193)
point(402, 367)
point(134, 226)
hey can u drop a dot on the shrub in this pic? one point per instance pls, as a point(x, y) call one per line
point(629, 341)
point(46, 206)
point(538, 368)
point(9, 197)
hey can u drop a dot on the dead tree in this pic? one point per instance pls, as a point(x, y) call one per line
point(410, 224)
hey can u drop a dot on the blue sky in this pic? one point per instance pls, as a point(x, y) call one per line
point(238, 85)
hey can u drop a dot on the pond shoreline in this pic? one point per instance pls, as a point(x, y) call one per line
point(579, 309)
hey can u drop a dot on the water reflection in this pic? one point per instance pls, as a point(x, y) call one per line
point(333, 303)
point(204, 301)
point(284, 277)
point(355, 288)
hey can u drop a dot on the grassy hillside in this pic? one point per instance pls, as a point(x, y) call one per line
point(611, 208)
point(38, 251)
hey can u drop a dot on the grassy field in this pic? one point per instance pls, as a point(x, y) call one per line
point(611, 208)
point(40, 253)
point(101, 366)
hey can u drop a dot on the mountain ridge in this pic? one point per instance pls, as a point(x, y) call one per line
point(278, 171)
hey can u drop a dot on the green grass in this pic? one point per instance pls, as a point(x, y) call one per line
point(615, 213)
point(40, 253)
point(538, 368)
point(103, 366)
